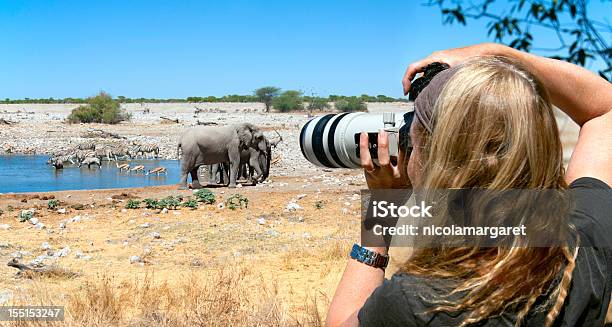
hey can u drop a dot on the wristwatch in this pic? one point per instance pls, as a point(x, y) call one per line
point(369, 257)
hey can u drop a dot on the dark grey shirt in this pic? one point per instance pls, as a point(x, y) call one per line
point(403, 300)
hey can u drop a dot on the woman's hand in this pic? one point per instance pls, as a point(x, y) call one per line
point(385, 175)
point(450, 57)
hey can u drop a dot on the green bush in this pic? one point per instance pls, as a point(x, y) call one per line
point(25, 216)
point(52, 204)
point(236, 201)
point(151, 203)
point(169, 202)
point(288, 101)
point(99, 109)
point(132, 204)
point(190, 203)
point(266, 95)
point(351, 104)
point(318, 103)
point(205, 195)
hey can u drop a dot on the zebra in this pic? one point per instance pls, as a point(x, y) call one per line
point(145, 150)
point(87, 145)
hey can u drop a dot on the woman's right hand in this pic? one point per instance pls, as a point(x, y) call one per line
point(451, 57)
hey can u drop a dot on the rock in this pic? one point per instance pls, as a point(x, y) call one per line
point(272, 232)
point(33, 221)
point(4, 245)
point(135, 259)
point(301, 196)
point(221, 205)
point(261, 221)
point(295, 219)
point(45, 246)
point(164, 210)
point(80, 255)
point(5, 296)
point(123, 210)
point(345, 211)
point(61, 211)
point(75, 219)
point(131, 221)
point(39, 261)
point(306, 235)
point(40, 226)
point(5, 226)
point(155, 235)
point(62, 253)
point(292, 206)
point(62, 225)
point(145, 225)
point(237, 254)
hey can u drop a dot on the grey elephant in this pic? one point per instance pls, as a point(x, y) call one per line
point(91, 161)
point(205, 145)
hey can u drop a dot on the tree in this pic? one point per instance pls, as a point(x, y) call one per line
point(101, 108)
point(266, 95)
point(318, 103)
point(351, 104)
point(512, 22)
point(288, 101)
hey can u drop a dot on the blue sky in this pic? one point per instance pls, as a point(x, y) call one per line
point(164, 49)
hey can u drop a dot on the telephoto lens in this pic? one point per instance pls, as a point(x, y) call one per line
point(332, 140)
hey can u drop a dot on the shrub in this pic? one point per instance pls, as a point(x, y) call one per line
point(132, 204)
point(351, 104)
point(169, 202)
point(1, 212)
point(205, 195)
point(319, 204)
point(236, 201)
point(26, 215)
point(190, 203)
point(99, 109)
point(151, 203)
point(318, 103)
point(52, 204)
point(288, 101)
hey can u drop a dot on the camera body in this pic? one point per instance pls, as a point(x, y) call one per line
point(332, 140)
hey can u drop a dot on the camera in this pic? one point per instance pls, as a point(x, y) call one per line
point(332, 140)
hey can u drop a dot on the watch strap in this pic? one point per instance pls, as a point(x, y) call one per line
point(369, 257)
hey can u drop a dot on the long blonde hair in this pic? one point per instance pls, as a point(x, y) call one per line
point(494, 128)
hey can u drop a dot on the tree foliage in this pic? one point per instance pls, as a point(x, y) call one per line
point(266, 94)
point(581, 38)
point(288, 101)
point(317, 103)
point(99, 109)
point(351, 104)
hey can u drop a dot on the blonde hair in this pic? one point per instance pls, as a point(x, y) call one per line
point(494, 128)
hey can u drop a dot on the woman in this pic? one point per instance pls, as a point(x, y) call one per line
point(487, 122)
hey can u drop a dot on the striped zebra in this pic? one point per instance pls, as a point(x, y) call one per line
point(141, 149)
point(87, 145)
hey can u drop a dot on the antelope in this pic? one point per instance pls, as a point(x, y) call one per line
point(121, 167)
point(158, 170)
point(138, 169)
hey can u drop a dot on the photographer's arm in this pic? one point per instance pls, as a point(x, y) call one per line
point(360, 280)
point(584, 96)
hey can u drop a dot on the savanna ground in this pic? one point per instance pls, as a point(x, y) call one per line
point(258, 266)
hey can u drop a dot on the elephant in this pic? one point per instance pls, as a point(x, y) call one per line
point(251, 161)
point(205, 145)
point(91, 161)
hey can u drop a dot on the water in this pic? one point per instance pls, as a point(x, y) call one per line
point(30, 173)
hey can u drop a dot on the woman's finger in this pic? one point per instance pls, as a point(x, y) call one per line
point(411, 71)
point(383, 149)
point(364, 152)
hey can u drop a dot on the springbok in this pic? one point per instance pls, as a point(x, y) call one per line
point(125, 166)
point(158, 170)
point(138, 169)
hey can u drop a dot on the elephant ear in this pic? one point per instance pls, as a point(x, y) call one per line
point(245, 134)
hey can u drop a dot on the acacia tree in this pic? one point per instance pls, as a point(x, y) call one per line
point(266, 95)
point(581, 38)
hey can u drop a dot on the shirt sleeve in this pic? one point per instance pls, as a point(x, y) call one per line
point(592, 212)
point(387, 306)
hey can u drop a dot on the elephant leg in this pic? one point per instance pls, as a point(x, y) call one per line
point(212, 173)
point(234, 169)
point(195, 182)
point(225, 173)
point(185, 169)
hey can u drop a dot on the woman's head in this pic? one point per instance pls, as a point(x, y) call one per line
point(488, 123)
point(485, 123)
